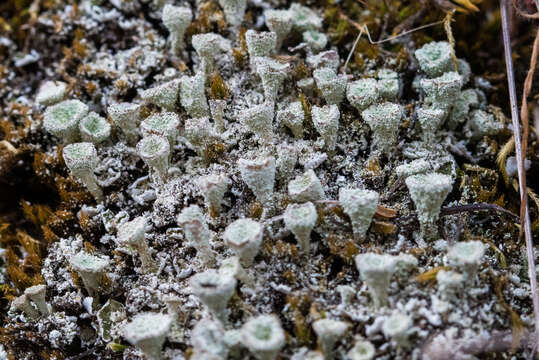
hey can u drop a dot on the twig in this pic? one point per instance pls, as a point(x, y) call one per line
point(451, 210)
point(525, 220)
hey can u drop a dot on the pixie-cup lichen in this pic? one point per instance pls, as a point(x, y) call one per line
point(52, 92)
point(91, 269)
point(326, 122)
point(197, 232)
point(164, 95)
point(300, 219)
point(62, 119)
point(292, 117)
point(259, 120)
point(133, 234)
point(279, 22)
point(193, 96)
point(164, 124)
point(272, 73)
point(155, 151)
point(362, 93)
point(259, 175)
point(148, 332)
point(213, 188)
point(316, 40)
point(435, 58)
point(176, 19)
point(260, 44)
point(376, 270)
point(384, 120)
point(94, 128)
point(244, 237)
point(397, 327)
point(306, 187)
point(331, 85)
point(234, 11)
point(329, 331)
point(360, 206)
point(263, 336)
point(428, 191)
point(126, 117)
point(81, 159)
point(214, 290)
point(467, 256)
point(37, 294)
point(362, 350)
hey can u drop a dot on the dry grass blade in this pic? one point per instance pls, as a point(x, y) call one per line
point(525, 219)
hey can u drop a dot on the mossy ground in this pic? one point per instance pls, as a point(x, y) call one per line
point(39, 200)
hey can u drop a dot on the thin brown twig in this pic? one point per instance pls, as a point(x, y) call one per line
point(525, 219)
point(451, 210)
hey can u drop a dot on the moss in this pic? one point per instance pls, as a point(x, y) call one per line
point(218, 88)
point(240, 54)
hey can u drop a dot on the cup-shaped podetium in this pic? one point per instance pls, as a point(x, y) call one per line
point(244, 237)
point(272, 74)
point(306, 187)
point(133, 234)
point(362, 350)
point(51, 92)
point(435, 58)
point(213, 188)
point(196, 232)
point(193, 95)
point(234, 11)
point(259, 120)
point(384, 120)
point(148, 332)
point(326, 122)
point(176, 19)
point(360, 206)
point(37, 294)
point(362, 93)
point(329, 331)
point(164, 124)
point(376, 270)
point(397, 328)
point(91, 269)
point(208, 46)
point(467, 255)
point(430, 120)
point(331, 84)
point(214, 290)
point(94, 128)
point(263, 336)
point(126, 117)
point(300, 219)
point(155, 151)
point(259, 175)
point(164, 95)
point(280, 22)
point(428, 191)
point(260, 44)
point(62, 120)
point(442, 91)
point(81, 160)
point(292, 117)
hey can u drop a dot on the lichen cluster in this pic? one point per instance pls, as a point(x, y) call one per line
point(246, 194)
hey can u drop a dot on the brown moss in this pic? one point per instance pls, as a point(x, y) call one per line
point(214, 152)
point(240, 54)
point(218, 88)
point(255, 210)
